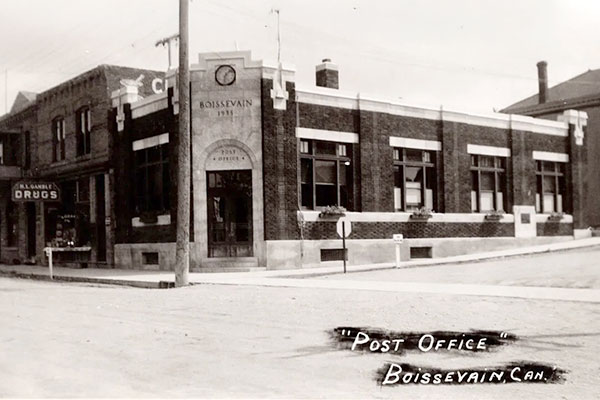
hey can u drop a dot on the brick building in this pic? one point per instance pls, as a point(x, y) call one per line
point(268, 156)
point(580, 93)
point(61, 136)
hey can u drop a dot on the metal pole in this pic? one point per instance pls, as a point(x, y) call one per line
point(344, 244)
point(182, 249)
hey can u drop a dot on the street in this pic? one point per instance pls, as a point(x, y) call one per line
point(77, 340)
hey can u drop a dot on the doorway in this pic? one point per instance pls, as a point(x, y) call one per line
point(229, 196)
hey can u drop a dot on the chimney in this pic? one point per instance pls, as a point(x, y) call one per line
point(327, 74)
point(542, 81)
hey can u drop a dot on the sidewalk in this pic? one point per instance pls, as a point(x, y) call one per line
point(289, 278)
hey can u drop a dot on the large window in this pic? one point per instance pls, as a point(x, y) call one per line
point(414, 179)
point(84, 127)
point(550, 188)
point(326, 174)
point(488, 183)
point(58, 139)
point(152, 180)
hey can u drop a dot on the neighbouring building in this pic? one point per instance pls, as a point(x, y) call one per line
point(269, 156)
point(61, 137)
point(580, 93)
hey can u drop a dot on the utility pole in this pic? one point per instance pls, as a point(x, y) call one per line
point(182, 249)
point(168, 41)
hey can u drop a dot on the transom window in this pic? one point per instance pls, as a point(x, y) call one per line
point(326, 174)
point(152, 180)
point(550, 187)
point(84, 127)
point(414, 179)
point(488, 183)
point(58, 139)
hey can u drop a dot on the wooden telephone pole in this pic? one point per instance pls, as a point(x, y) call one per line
point(182, 250)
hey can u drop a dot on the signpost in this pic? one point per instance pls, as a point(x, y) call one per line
point(398, 239)
point(344, 228)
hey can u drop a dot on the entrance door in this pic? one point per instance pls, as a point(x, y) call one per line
point(229, 213)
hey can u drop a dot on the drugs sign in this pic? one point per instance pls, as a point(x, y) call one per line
point(35, 191)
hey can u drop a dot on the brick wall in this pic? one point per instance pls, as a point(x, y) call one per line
point(162, 121)
point(554, 229)
point(322, 230)
point(280, 166)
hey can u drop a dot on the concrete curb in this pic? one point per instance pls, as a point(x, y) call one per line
point(79, 279)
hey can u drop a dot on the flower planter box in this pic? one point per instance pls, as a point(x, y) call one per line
point(332, 213)
point(493, 217)
point(420, 218)
point(555, 217)
point(149, 217)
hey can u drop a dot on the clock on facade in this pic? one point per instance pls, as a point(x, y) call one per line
point(225, 75)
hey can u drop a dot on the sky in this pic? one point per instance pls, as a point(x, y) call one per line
point(473, 55)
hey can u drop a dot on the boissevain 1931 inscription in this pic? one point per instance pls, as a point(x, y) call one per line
point(225, 107)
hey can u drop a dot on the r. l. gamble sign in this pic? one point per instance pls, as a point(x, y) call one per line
point(35, 191)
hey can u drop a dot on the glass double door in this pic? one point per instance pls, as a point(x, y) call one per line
point(229, 197)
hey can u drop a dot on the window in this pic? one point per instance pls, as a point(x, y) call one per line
point(550, 187)
point(84, 127)
point(11, 224)
point(152, 180)
point(414, 179)
point(488, 183)
point(58, 139)
point(325, 174)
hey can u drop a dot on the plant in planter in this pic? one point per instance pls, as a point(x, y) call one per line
point(555, 216)
point(149, 217)
point(494, 215)
point(421, 214)
point(332, 212)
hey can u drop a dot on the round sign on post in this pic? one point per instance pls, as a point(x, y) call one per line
point(344, 227)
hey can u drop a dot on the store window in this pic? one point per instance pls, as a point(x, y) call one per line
point(414, 179)
point(68, 223)
point(488, 183)
point(152, 179)
point(11, 224)
point(84, 127)
point(326, 174)
point(58, 139)
point(550, 187)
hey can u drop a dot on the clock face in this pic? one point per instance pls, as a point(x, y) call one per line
point(225, 75)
